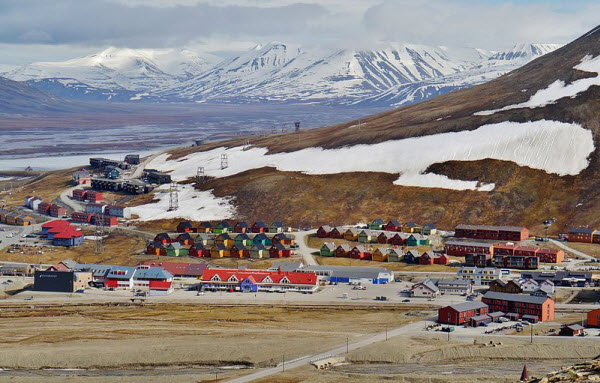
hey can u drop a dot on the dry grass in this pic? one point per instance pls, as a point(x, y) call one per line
point(119, 248)
point(47, 186)
point(169, 334)
point(395, 266)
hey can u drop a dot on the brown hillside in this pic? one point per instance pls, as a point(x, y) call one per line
point(522, 195)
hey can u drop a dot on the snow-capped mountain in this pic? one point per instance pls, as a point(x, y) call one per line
point(117, 71)
point(488, 69)
point(393, 74)
point(282, 72)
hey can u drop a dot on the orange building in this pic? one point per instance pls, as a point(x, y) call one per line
point(594, 318)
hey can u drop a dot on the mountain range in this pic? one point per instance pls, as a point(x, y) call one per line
point(391, 75)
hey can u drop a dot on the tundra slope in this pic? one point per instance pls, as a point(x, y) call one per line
point(522, 193)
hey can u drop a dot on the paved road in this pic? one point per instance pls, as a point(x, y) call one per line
point(380, 337)
point(137, 173)
point(303, 248)
point(66, 199)
point(576, 262)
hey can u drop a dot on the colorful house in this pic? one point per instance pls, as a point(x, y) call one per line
point(337, 232)
point(185, 239)
point(205, 227)
point(205, 239)
point(262, 239)
point(412, 257)
point(324, 231)
point(376, 224)
point(242, 239)
point(239, 251)
point(276, 227)
point(223, 239)
point(360, 252)
point(380, 255)
point(393, 225)
point(176, 249)
point(283, 239)
point(327, 250)
point(258, 251)
point(222, 227)
point(429, 229)
point(185, 227)
point(394, 255)
point(343, 251)
point(241, 227)
point(199, 250)
point(219, 251)
point(351, 234)
point(366, 236)
point(259, 227)
point(279, 251)
point(411, 227)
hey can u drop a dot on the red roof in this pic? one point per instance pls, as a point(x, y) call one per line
point(258, 276)
point(69, 233)
point(56, 223)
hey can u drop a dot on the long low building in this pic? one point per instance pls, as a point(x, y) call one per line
point(259, 280)
point(495, 233)
point(343, 274)
point(560, 278)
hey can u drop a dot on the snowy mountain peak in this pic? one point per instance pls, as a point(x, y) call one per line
point(524, 51)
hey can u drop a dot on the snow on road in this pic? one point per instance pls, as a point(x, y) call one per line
point(558, 89)
point(192, 204)
point(555, 147)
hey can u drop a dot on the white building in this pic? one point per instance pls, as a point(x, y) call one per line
point(480, 276)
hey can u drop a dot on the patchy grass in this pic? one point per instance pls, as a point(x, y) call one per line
point(119, 249)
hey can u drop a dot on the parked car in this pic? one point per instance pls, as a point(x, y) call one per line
point(406, 300)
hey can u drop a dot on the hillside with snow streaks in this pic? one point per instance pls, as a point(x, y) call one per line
point(532, 144)
point(558, 89)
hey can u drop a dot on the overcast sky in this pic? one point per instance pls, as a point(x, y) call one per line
point(46, 30)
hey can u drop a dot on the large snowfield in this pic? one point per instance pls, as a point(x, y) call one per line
point(192, 204)
point(558, 89)
point(555, 147)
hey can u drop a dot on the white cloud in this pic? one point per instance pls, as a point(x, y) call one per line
point(234, 25)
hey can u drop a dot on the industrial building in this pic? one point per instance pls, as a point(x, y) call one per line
point(461, 313)
point(61, 281)
point(340, 274)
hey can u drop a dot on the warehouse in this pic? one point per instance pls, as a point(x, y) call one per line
point(61, 281)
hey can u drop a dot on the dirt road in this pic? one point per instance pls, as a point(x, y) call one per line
point(576, 262)
point(303, 249)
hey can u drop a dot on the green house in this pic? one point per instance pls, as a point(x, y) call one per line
point(258, 252)
point(417, 240)
point(242, 239)
point(395, 255)
point(366, 236)
point(262, 239)
point(176, 249)
point(221, 227)
point(328, 249)
point(377, 224)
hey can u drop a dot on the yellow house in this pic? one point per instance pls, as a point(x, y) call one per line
point(219, 251)
point(351, 235)
point(380, 255)
point(411, 227)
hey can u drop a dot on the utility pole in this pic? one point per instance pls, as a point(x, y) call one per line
point(531, 340)
point(386, 335)
point(347, 344)
point(283, 363)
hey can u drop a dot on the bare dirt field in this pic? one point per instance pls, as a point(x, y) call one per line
point(395, 266)
point(162, 340)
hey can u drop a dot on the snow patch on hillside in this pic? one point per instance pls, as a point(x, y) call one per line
point(194, 205)
point(558, 89)
point(555, 147)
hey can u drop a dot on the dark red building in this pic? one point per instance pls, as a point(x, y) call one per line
point(461, 313)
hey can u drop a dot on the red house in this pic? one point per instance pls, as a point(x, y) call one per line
point(551, 255)
point(324, 231)
point(384, 237)
point(393, 225)
point(259, 227)
point(441, 259)
point(426, 258)
point(241, 227)
point(198, 250)
point(343, 251)
point(162, 238)
point(461, 313)
point(397, 240)
point(360, 252)
point(279, 251)
point(185, 227)
point(336, 232)
point(185, 239)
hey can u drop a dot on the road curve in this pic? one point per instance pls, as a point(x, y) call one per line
point(303, 249)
